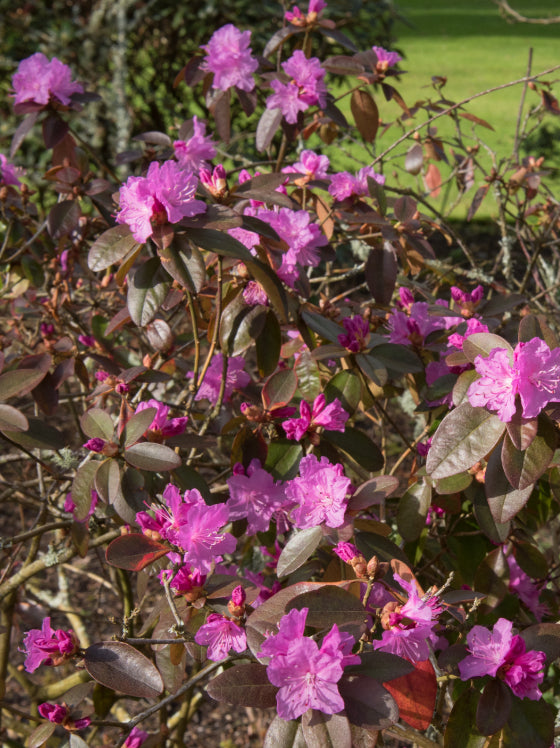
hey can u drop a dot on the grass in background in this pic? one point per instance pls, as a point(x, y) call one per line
point(471, 45)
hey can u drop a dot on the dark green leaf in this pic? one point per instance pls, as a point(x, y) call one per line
point(97, 423)
point(244, 685)
point(279, 389)
point(328, 605)
point(464, 437)
point(503, 500)
point(462, 385)
point(298, 549)
point(543, 637)
point(494, 707)
point(271, 284)
point(461, 729)
point(283, 459)
point(492, 577)
point(358, 446)
point(531, 560)
point(113, 245)
point(152, 456)
point(147, 288)
point(137, 425)
point(413, 510)
point(326, 730)
point(219, 242)
point(121, 667)
point(347, 387)
point(453, 484)
point(531, 723)
point(524, 468)
point(367, 704)
point(240, 325)
point(184, 263)
point(371, 544)
point(323, 326)
point(397, 358)
point(497, 532)
point(268, 345)
point(40, 735)
point(82, 486)
point(373, 368)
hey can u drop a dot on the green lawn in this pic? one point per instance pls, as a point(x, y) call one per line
point(475, 49)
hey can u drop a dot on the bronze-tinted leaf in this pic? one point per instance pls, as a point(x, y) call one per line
point(134, 552)
point(267, 127)
point(298, 549)
point(367, 704)
point(365, 113)
point(279, 389)
point(414, 159)
point(415, 694)
point(381, 272)
point(121, 667)
point(63, 218)
point(244, 685)
point(97, 423)
point(494, 707)
point(504, 500)
point(326, 730)
point(12, 419)
point(111, 247)
point(284, 734)
point(358, 446)
point(147, 288)
point(137, 425)
point(152, 456)
point(461, 731)
point(413, 510)
point(82, 486)
point(524, 467)
point(19, 382)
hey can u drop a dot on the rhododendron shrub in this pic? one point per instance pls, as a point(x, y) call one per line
point(264, 440)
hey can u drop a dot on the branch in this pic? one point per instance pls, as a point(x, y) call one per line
point(509, 13)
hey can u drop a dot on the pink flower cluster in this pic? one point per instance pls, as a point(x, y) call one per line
point(306, 674)
point(311, 165)
point(196, 152)
point(190, 524)
point(500, 654)
point(331, 417)
point(296, 17)
point(229, 57)
point(165, 194)
point(344, 185)
point(255, 496)
point(533, 373)
point(409, 627)
point(319, 493)
point(236, 378)
point(220, 635)
point(306, 88)
point(38, 80)
point(162, 427)
point(8, 172)
point(48, 646)
point(356, 337)
point(385, 59)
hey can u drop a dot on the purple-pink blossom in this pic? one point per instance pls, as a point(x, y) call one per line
point(533, 373)
point(95, 445)
point(343, 184)
point(409, 628)
point(311, 165)
point(331, 417)
point(236, 378)
point(254, 294)
point(197, 151)
point(136, 738)
point(38, 80)
point(306, 88)
point(48, 646)
point(319, 494)
point(297, 18)
point(256, 496)
point(165, 194)
point(501, 654)
point(162, 426)
point(306, 674)
point(59, 714)
point(413, 328)
point(356, 337)
point(229, 57)
point(385, 59)
point(8, 172)
point(525, 588)
point(221, 635)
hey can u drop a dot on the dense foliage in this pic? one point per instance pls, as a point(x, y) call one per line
point(262, 439)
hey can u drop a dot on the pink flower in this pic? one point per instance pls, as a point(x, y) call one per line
point(95, 445)
point(357, 334)
point(186, 581)
point(37, 79)
point(254, 294)
point(385, 59)
point(306, 675)
point(135, 739)
point(220, 635)
point(165, 194)
point(500, 654)
point(236, 378)
point(525, 588)
point(414, 328)
point(201, 537)
point(345, 185)
point(197, 151)
point(311, 165)
point(59, 714)
point(346, 552)
point(331, 417)
point(409, 627)
point(314, 9)
point(457, 339)
point(496, 387)
point(228, 56)
point(8, 172)
point(255, 496)
point(161, 425)
point(70, 506)
point(319, 494)
point(48, 646)
point(306, 88)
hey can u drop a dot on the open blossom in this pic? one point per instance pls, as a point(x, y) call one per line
point(414, 327)
point(409, 627)
point(385, 59)
point(331, 417)
point(37, 79)
point(357, 334)
point(197, 151)
point(254, 294)
point(47, 646)
point(220, 635)
point(499, 653)
point(319, 493)
point(161, 425)
point(255, 496)
point(236, 378)
point(229, 57)
point(343, 184)
point(533, 374)
point(306, 88)
point(314, 9)
point(59, 714)
point(136, 738)
point(311, 165)
point(165, 194)
point(306, 674)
